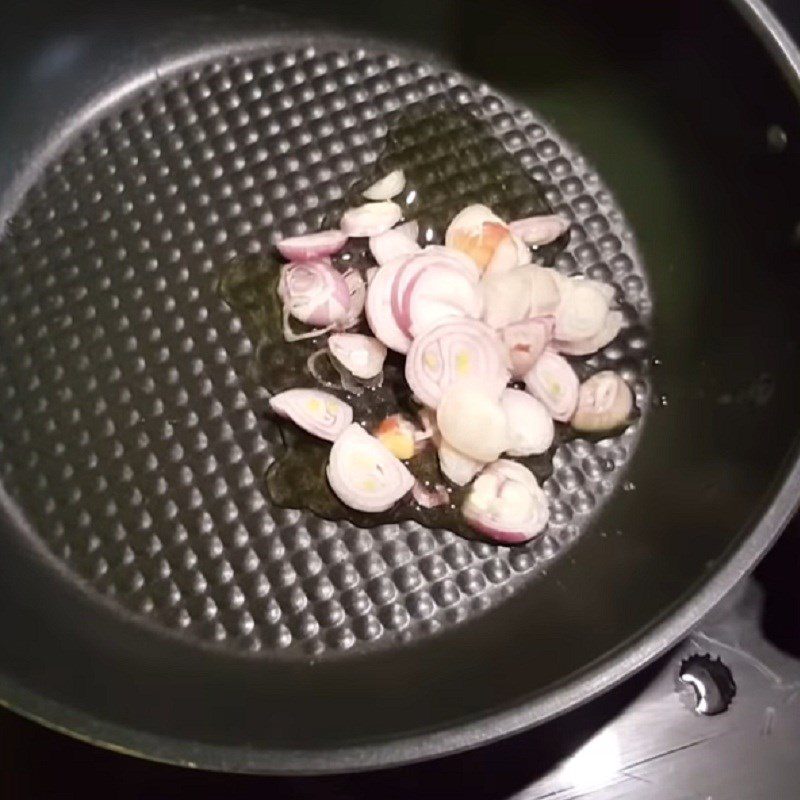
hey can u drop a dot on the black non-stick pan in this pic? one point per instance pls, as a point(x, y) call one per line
point(153, 598)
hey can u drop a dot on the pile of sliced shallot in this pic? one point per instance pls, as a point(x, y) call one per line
point(472, 317)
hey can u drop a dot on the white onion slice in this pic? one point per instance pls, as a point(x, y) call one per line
point(457, 350)
point(582, 311)
point(363, 474)
point(393, 244)
point(530, 426)
point(506, 503)
point(605, 402)
point(553, 381)
point(545, 291)
point(472, 422)
point(387, 187)
point(430, 497)
point(314, 292)
point(359, 354)
point(585, 347)
point(476, 231)
point(506, 297)
point(319, 413)
point(379, 309)
point(312, 245)
point(371, 219)
point(539, 230)
point(357, 290)
point(456, 467)
point(525, 342)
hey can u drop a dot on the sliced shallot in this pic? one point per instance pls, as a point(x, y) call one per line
point(371, 219)
point(296, 336)
point(582, 311)
point(469, 315)
point(584, 347)
point(524, 255)
point(381, 320)
point(436, 293)
point(319, 413)
point(545, 291)
point(506, 504)
point(314, 292)
point(530, 426)
point(363, 474)
point(476, 231)
point(539, 230)
point(430, 497)
point(506, 297)
point(457, 350)
point(387, 187)
point(473, 422)
point(433, 285)
point(361, 355)
point(404, 280)
point(394, 244)
point(606, 289)
point(455, 259)
point(553, 381)
point(605, 402)
point(526, 341)
point(312, 245)
point(506, 256)
point(398, 435)
point(357, 290)
point(409, 229)
point(456, 467)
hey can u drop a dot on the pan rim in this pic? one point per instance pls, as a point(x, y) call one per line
point(629, 657)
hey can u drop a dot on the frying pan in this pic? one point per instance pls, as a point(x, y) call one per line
point(152, 598)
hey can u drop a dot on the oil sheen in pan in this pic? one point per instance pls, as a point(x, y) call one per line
point(449, 159)
point(134, 437)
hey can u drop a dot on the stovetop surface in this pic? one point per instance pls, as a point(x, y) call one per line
point(645, 739)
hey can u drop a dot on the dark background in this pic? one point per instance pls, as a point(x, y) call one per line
point(36, 763)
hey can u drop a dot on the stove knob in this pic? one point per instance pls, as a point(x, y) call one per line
point(711, 683)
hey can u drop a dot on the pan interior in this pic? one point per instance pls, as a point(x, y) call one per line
point(133, 440)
